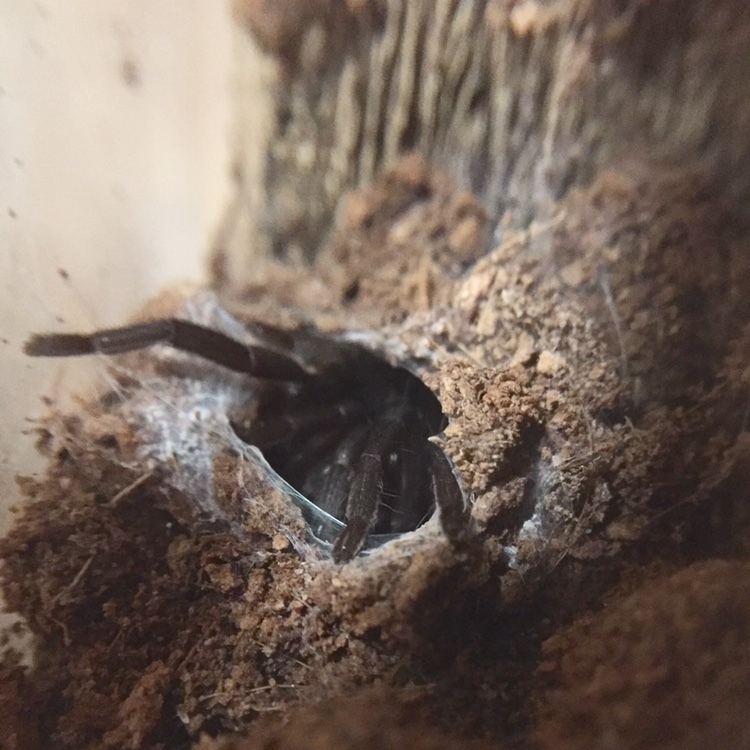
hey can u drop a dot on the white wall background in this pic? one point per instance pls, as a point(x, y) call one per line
point(114, 131)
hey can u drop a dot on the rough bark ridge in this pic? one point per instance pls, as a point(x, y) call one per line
point(517, 101)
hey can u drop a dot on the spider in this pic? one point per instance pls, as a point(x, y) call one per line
point(343, 426)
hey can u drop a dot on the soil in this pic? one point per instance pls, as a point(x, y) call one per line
point(597, 377)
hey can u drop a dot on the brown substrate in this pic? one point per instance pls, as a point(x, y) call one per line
point(595, 371)
point(667, 666)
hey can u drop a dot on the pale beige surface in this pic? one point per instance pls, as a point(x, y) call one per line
point(114, 136)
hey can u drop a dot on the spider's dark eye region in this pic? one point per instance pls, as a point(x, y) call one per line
point(339, 423)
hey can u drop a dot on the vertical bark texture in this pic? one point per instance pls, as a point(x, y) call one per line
point(517, 101)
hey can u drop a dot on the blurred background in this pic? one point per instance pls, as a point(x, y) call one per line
point(114, 148)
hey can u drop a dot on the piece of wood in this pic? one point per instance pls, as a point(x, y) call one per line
point(517, 101)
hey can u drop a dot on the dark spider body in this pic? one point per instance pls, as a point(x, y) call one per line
point(345, 428)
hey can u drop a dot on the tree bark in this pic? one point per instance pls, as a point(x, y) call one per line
point(517, 101)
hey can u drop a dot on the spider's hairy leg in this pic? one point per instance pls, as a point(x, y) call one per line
point(329, 484)
point(217, 347)
point(449, 498)
point(409, 483)
point(364, 494)
point(307, 420)
point(305, 459)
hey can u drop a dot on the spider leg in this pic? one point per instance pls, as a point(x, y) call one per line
point(407, 496)
point(268, 433)
point(329, 483)
point(256, 361)
point(364, 493)
point(449, 498)
point(303, 459)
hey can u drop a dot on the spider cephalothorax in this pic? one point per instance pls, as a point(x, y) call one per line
point(338, 422)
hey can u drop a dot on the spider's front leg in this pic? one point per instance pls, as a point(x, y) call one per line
point(364, 494)
point(449, 498)
point(217, 347)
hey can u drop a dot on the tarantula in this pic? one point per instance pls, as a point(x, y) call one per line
point(339, 423)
